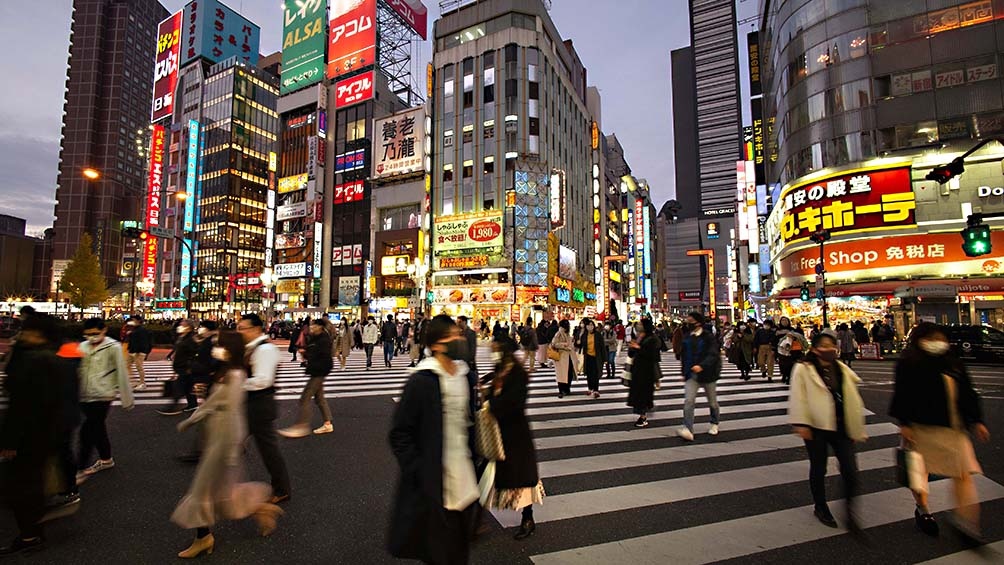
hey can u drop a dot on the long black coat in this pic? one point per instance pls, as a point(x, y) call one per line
point(519, 469)
point(319, 361)
point(600, 344)
point(641, 394)
point(418, 528)
point(920, 396)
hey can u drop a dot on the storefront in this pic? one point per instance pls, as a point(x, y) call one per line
point(572, 300)
point(531, 303)
point(481, 303)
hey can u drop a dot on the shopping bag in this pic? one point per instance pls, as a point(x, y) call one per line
point(910, 470)
point(488, 440)
point(553, 354)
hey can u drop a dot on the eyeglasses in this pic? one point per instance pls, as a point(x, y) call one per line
point(91, 334)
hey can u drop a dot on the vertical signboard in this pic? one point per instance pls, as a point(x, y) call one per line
point(414, 13)
point(165, 69)
point(557, 198)
point(153, 200)
point(352, 37)
point(191, 173)
point(647, 227)
point(215, 32)
point(304, 38)
point(753, 58)
point(399, 150)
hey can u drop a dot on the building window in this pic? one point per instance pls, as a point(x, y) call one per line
point(355, 130)
point(400, 218)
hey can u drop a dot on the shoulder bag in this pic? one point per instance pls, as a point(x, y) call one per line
point(488, 440)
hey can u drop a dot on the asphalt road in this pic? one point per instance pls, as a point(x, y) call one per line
point(615, 494)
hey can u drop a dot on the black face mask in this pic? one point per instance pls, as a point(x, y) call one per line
point(456, 349)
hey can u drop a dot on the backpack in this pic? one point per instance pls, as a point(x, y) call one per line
point(784, 346)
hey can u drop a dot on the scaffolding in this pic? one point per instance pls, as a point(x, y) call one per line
point(396, 52)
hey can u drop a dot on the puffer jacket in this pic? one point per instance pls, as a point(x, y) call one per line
point(103, 373)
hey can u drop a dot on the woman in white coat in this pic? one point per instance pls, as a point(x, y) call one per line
point(564, 370)
point(826, 410)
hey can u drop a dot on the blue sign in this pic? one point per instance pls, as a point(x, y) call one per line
point(761, 200)
point(562, 294)
point(322, 123)
point(754, 275)
point(351, 161)
point(191, 174)
point(211, 30)
point(764, 258)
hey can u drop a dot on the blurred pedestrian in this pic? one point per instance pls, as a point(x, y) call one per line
point(471, 338)
point(594, 352)
point(215, 491)
point(610, 343)
point(319, 365)
point(517, 484)
point(388, 335)
point(435, 505)
point(763, 340)
point(185, 350)
point(564, 368)
point(741, 350)
point(826, 410)
point(140, 344)
point(103, 376)
point(791, 346)
point(702, 366)
point(343, 343)
point(262, 360)
point(69, 387)
point(204, 369)
point(32, 426)
point(938, 410)
point(644, 354)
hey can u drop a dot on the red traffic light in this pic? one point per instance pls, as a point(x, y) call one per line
point(945, 173)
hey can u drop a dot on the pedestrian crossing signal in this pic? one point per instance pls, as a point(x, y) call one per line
point(976, 240)
point(805, 291)
point(133, 233)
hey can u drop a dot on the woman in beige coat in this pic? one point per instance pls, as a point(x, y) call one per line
point(343, 343)
point(564, 369)
point(215, 491)
point(826, 410)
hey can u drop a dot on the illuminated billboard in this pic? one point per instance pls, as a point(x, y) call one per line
point(213, 31)
point(165, 69)
point(352, 37)
point(398, 149)
point(359, 88)
point(414, 13)
point(153, 204)
point(304, 35)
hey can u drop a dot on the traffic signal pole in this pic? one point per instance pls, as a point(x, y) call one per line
point(823, 275)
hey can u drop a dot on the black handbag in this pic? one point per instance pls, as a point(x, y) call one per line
point(169, 387)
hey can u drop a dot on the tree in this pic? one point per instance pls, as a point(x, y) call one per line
point(82, 279)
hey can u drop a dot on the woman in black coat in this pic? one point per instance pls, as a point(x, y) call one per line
point(517, 484)
point(644, 368)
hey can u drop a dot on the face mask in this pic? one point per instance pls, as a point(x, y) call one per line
point(96, 339)
point(219, 354)
point(181, 329)
point(829, 355)
point(934, 347)
point(202, 331)
point(134, 324)
point(456, 349)
point(496, 357)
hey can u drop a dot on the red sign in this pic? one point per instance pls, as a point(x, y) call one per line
point(484, 231)
point(413, 12)
point(153, 200)
point(920, 252)
point(639, 224)
point(690, 296)
point(352, 40)
point(249, 281)
point(352, 191)
point(165, 69)
point(354, 90)
point(867, 200)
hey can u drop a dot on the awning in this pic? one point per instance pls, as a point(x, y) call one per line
point(931, 288)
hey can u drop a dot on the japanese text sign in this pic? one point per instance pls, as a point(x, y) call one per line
point(352, 38)
point(398, 145)
point(165, 69)
point(478, 295)
point(303, 31)
point(352, 191)
point(354, 90)
point(864, 200)
point(468, 234)
point(153, 204)
point(295, 182)
point(215, 32)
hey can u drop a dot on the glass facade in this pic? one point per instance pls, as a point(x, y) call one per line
point(240, 127)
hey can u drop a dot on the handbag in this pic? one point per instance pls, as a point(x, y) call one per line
point(553, 354)
point(488, 441)
point(910, 470)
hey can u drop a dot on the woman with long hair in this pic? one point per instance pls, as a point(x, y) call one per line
point(564, 369)
point(215, 490)
point(644, 354)
point(938, 410)
point(343, 343)
point(517, 484)
point(594, 354)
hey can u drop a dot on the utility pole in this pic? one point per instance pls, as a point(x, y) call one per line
point(821, 237)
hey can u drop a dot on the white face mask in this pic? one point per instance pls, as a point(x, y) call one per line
point(181, 329)
point(934, 347)
point(202, 331)
point(133, 324)
point(496, 357)
point(96, 339)
point(219, 354)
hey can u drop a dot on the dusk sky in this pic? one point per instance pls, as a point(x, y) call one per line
point(625, 46)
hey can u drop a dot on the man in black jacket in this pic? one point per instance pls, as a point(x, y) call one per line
point(762, 344)
point(140, 345)
point(185, 350)
point(203, 370)
point(319, 365)
point(388, 334)
point(701, 363)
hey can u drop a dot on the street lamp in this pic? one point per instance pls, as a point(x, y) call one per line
point(267, 277)
point(91, 174)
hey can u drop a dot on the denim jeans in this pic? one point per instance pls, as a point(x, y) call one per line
point(710, 390)
point(612, 363)
point(388, 352)
point(369, 353)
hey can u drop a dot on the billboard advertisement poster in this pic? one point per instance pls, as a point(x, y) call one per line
point(393, 265)
point(290, 240)
point(350, 161)
point(191, 173)
point(399, 149)
point(566, 262)
point(291, 211)
point(354, 90)
point(348, 291)
point(290, 270)
point(215, 32)
point(864, 200)
point(557, 199)
point(304, 36)
point(295, 182)
point(414, 13)
point(153, 204)
point(476, 295)
point(165, 68)
point(468, 234)
point(352, 39)
point(352, 191)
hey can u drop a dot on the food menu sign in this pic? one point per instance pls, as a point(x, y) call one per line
point(399, 150)
point(468, 234)
point(857, 201)
point(476, 295)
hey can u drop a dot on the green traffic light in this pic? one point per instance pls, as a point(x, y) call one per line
point(976, 240)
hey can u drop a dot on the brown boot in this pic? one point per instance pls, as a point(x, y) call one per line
point(198, 547)
point(267, 517)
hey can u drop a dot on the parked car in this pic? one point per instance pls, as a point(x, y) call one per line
point(977, 343)
point(281, 329)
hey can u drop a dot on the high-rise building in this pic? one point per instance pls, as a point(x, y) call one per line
point(512, 197)
point(106, 112)
point(860, 101)
point(688, 185)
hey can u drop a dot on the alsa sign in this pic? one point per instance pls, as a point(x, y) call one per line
point(354, 90)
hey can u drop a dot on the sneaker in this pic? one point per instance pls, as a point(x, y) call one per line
point(82, 478)
point(169, 411)
point(325, 429)
point(642, 422)
point(190, 409)
point(685, 434)
point(20, 544)
point(714, 430)
point(98, 466)
point(61, 500)
point(295, 431)
point(141, 386)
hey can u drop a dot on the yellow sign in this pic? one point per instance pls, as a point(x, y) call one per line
point(287, 286)
point(272, 161)
point(295, 182)
point(392, 265)
point(596, 136)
